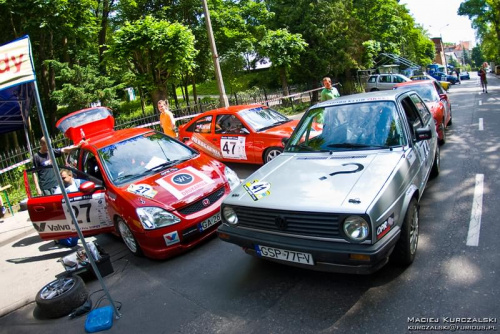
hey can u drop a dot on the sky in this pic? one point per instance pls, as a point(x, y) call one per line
point(440, 18)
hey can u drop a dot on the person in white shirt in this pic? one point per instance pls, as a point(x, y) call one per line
point(70, 183)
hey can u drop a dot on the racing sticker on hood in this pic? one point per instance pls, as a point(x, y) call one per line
point(359, 168)
point(257, 189)
point(184, 182)
point(142, 190)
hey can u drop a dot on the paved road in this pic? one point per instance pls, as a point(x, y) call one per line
point(216, 288)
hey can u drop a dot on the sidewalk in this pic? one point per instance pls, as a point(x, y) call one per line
point(27, 262)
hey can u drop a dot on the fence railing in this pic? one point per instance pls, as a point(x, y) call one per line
point(14, 162)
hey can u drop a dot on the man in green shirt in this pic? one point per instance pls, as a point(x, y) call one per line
point(329, 92)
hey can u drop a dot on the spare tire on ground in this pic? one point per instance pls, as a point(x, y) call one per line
point(58, 298)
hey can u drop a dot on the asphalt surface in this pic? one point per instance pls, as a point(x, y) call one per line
point(216, 288)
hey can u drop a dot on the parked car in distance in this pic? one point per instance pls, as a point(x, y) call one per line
point(436, 100)
point(344, 198)
point(441, 76)
point(426, 76)
point(464, 75)
point(243, 133)
point(384, 81)
point(161, 196)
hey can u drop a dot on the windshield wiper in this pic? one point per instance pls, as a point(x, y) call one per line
point(165, 165)
point(354, 145)
point(273, 125)
point(125, 177)
point(304, 147)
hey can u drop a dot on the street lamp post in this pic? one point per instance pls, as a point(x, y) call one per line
point(218, 75)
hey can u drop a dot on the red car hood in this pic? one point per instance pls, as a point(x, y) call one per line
point(177, 186)
point(283, 130)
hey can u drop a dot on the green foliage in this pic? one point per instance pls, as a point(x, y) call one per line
point(81, 86)
point(485, 17)
point(477, 57)
point(155, 51)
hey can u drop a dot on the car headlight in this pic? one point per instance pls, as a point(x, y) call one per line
point(356, 228)
point(232, 178)
point(152, 217)
point(229, 215)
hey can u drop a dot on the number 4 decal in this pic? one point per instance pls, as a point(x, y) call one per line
point(227, 150)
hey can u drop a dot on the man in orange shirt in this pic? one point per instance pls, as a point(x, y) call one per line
point(167, 120)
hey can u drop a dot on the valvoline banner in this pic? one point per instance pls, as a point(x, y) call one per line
point(16, 65)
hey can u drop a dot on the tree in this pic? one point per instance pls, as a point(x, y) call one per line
point(82, 85)
point(283, 50)
point(485, 17)
point(477, 56)
point(155, 51)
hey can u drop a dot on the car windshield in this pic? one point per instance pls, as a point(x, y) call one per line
point(427, 92)
point(262, 118)
point(368, 125)
point(137, 157)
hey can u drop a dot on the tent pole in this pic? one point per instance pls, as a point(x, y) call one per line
point(66, 198)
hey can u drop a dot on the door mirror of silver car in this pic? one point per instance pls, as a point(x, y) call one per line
point(423, 134)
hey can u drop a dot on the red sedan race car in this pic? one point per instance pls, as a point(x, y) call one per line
point(160, 195)
point(436, 100)
point(245, 133)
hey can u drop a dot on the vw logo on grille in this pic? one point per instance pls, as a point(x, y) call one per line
point(205, 202)
point(281, 223)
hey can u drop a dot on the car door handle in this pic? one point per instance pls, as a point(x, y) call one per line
point(39, 208)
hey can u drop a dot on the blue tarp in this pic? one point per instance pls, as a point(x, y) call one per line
point(15, 103)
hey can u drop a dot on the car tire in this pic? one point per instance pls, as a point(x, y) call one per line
point(374, 90)
point(450, 122)
point(128, 237)
point(61, 296)
point(271, 153)
point(436, 166)
point(443, 138)
point(406, 247)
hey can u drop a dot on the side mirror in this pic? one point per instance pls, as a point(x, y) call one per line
point(87, 187)
point(423, 134)
point(443, 97)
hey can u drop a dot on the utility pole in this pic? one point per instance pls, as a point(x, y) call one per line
point(218, 75)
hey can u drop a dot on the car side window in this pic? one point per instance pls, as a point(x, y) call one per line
point(372, 79)
point(439, 89)
point(421, 108)
point(385, 78)
point(229, 124)
point(397, 79)
point(90, 165)
point(412, 115)
point(72, 158)
point(203, 125)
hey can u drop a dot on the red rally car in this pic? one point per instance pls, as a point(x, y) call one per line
point(161, 196)
point(243, 133)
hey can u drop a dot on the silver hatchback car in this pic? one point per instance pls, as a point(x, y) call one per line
point(344, 195)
